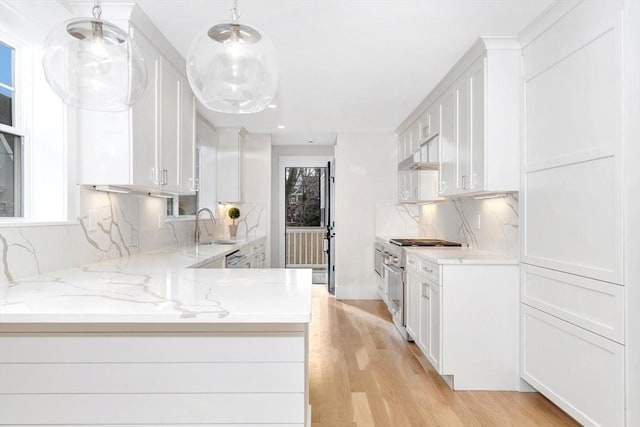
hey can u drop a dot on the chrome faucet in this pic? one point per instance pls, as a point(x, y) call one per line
point(213, 221)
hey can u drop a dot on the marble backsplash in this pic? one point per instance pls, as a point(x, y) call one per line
point(486, 224)
point(109, 226)
point(397, 220)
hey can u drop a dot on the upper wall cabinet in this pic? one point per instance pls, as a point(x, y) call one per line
point(151, 146)
point(475, 113)
point(231, 142)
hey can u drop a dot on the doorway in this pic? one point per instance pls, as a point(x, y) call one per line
point(306, 239)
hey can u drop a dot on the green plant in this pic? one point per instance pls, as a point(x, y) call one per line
point(234, 213)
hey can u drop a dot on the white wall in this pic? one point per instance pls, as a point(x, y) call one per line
point(366, 169)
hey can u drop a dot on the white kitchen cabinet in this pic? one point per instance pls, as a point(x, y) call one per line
point(470, 132)
point(189, 181)
point(231, 143)
point(413, 300)
point(257, 254)
point(448, 146)
point(476, 111)
point(424, 318)
point(433, 325)
point(417, 186)
point(433, 115)
point(168, 142)
point(467, 317)
point(142, 147)
point(486, 136)
point(578, 370)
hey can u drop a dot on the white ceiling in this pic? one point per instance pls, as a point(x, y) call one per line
point(345, 65)
point(348, 65)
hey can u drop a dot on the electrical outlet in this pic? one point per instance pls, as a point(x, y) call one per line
point(478, 222)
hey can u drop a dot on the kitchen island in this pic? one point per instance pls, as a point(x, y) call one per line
point(147, 340)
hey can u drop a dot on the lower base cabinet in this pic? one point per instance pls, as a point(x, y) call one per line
point(581, 372)
point(464, 318)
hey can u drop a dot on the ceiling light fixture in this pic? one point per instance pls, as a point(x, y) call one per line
point(92, 64)
point(232, 68)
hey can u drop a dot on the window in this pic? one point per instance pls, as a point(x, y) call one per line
point(7, 89)
point(11, 140)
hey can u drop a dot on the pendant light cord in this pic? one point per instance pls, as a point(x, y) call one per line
point(234, 12)
point(97, 10)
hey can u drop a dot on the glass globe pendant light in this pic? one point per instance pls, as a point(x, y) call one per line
point(92, 64)
point(232, 68)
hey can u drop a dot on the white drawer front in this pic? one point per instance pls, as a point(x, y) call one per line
point(592, 304)
point(412, 263)
point(42, 378)
point(581, 372)
point(162, 409)
point(104, 348)
point(429, 269)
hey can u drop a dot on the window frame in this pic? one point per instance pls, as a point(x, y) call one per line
point(18, 129)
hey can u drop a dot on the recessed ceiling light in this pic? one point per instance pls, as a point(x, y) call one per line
point(273, 106)
point(310, 141)
point(280, 126)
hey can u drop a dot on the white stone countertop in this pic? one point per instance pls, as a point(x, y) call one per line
point(160, 287)
point(460, 255)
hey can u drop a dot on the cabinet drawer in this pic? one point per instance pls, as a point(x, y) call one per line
point(579, 371)
point(412, 263)
point(429, 269)
point(592, 304)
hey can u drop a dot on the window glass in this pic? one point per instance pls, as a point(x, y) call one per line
point(6, 85)
point(10, 175)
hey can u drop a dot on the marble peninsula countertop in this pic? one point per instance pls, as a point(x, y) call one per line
point(163, 286)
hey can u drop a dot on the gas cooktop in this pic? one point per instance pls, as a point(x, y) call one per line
point(423, 242)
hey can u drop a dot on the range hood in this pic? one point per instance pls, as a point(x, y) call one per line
point(426, 158)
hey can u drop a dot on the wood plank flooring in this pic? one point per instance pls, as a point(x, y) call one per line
point(363, 374)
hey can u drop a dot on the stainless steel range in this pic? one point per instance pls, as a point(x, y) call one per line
point(390, 264)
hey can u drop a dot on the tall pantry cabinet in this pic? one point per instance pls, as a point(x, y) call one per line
point(574, 290)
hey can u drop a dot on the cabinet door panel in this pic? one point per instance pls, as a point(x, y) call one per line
point(559, 207)
point(462, 134)
point(425, 317)
point(579, 371)
point(170, 127)
point(477, 126)
point(413, 305)
point(188, 176)
point(435, 335)
point(448, 146)
point(144, 122)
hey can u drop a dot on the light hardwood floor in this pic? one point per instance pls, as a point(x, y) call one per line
point(363, 374)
